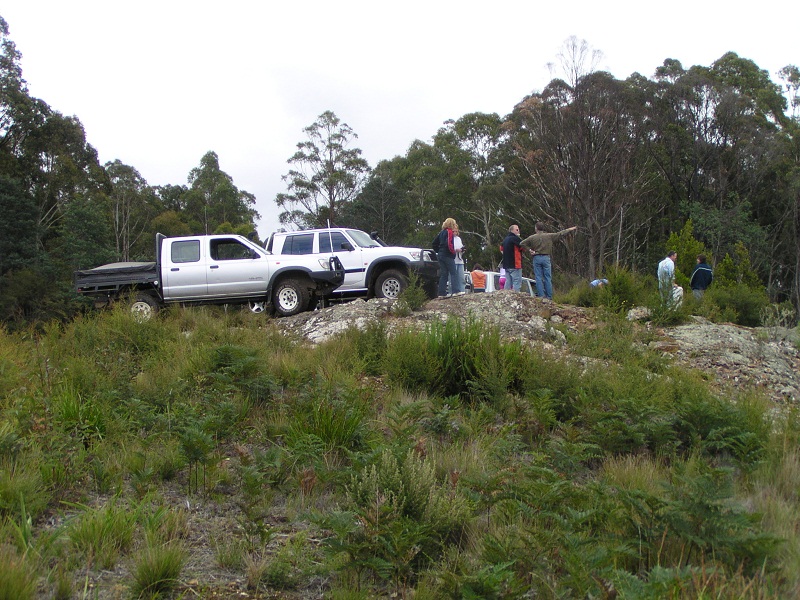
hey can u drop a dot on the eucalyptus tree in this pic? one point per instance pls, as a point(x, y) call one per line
point(133, 206)
point(326, 174)
point(715, 138)
point(19, 113)
point(380, 205)
point(45, 153)
point(213, 199)
point(59, 165)
point(577, 161)
point(472, 147)
point(787, 229)
point(17, 226)
point(790, 77)
point(172, 197)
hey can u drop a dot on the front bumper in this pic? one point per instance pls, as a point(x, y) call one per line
point(427, 271)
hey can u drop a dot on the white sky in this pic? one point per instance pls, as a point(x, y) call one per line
point(157, 84)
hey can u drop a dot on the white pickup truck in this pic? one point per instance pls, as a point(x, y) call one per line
point(214, 269)
point(372, 268)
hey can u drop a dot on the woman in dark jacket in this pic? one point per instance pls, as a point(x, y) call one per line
point(446, 253)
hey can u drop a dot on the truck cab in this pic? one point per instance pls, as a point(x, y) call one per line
point(372, 268)
point(224, 266)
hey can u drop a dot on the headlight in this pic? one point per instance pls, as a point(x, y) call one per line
point(325, 264)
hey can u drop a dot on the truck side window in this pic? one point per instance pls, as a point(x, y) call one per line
point(336, 237)
point(299, 244)
point(229, 250)
point(185, 252)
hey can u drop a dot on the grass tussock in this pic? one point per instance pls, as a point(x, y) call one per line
point(447, 462)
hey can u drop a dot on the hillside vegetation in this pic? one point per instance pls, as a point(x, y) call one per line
point(208, 454)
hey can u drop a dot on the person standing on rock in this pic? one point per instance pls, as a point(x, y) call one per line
point(540, 245)
point(443, 245)
point(701, 278)
point(458, 245)
point(671, 292)
point(512, 259)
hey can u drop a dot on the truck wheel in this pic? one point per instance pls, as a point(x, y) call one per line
point(390, 284)
point(257, 307)
point(143, 306)
point(290, 297)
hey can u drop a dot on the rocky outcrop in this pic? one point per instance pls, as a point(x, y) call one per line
point(737, 357)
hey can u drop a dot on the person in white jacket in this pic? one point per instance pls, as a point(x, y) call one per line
point(671, 292)
point(458, 245)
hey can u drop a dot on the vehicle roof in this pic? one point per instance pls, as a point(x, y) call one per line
point(318, 230)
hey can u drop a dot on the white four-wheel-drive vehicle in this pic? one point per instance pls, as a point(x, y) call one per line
point(372, 268)
point(214, 269)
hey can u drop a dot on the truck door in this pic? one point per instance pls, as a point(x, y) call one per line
point(351, 256)
point(183, 269)
point(235, 269)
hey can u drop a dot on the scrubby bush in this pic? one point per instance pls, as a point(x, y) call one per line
point(399, 518)
point(738, 303)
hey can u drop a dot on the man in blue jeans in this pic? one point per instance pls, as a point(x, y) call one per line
point(541, 244)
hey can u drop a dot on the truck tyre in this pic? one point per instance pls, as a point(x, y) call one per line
point(143, 306)
point(290, 297)
point(257, 307)
point(390, 284)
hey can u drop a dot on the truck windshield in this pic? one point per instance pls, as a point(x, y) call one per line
point(362, 239)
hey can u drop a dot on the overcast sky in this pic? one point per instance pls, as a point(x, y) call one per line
point(157, 84)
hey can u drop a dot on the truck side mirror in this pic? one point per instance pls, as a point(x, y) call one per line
point(347, 246)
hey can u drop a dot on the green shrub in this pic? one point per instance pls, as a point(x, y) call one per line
point(369, 345)
point(705, 523)
point(409, 363)
point(666, 313)
point(469, 360)
point(414, 296)
point(15, 366)
point(399, 518)
point(737, 303)
point(737, 270)
point(718, 426)
point(613, 338)
point(687, 247)
point(779, 315)
point(334, 417)
point(623, 291)
point(286, 568)
point(79, 416)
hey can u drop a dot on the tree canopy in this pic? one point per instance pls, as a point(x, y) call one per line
point(326, 174)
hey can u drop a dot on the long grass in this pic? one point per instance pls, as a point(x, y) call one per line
point(446, 462)
point(156, 570)
point(17, 577)
point(102, 535)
